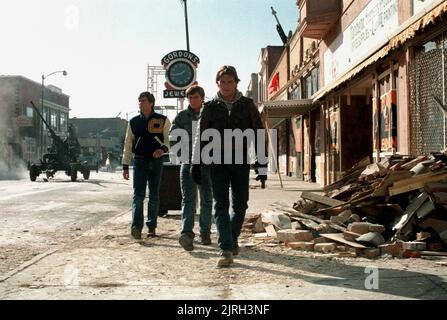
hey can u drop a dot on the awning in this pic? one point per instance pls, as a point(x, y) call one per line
point(286, 108)
point(405, 33)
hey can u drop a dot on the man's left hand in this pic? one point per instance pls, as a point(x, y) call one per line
point(158, 153)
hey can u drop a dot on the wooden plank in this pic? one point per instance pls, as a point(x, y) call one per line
point(307, 216)
point(410, 165)
point(345, 180)
point(434, 253)
point(390, 178)
point(415, 183)
point(438, 225)
point(403, 225)
point(338, 237)
point(307, 222)
point(435, 187)
point(322, 199)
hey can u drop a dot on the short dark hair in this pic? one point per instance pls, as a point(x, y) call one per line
point(150, 97)
point(195, 89)
point(227, 70)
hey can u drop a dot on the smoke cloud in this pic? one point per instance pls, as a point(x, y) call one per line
point(11, 165)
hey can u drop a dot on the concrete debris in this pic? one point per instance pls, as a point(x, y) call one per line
point(395, 208)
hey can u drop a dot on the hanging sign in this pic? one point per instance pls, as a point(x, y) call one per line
point(181, 72)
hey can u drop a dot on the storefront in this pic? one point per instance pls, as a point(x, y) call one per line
point(284, 118)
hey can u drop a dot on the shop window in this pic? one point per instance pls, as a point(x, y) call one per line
point(296, 93)
point(428, 83)
point(311, 83)
point(315, 80)
point(63, 127)
point(29, 112)
point(53, 122)
point(308, 86)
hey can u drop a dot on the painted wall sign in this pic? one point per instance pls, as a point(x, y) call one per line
point(372, 27)
point(419, 5)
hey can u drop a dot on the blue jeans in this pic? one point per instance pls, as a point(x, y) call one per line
point(189, 200)
point(229, 226)
point(146, 171)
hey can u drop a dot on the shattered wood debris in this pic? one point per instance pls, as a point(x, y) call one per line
point(397, 207)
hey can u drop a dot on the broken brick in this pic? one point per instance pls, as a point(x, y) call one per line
point(325, 247)
point(320, 240)
point(365, 227)
point(294, 235)
point(301, 245)
point(371, 253)
point(393, 249)
point(411, 254)
point(414, 245)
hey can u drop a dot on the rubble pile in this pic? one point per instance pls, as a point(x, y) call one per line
point(397, 207)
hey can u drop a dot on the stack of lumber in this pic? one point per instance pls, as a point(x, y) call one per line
point(396, 207)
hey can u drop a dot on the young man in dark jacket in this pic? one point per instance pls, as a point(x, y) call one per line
point(228, 111)
point(147, 138)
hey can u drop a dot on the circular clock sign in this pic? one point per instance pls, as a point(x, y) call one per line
point(180, 74)
point(180, 69)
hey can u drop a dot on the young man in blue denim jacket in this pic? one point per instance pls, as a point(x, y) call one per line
point(187, 120)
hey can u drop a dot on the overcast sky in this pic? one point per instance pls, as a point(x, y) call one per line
point(106, 45)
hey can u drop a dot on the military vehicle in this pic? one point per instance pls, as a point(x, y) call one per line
point(63, 155)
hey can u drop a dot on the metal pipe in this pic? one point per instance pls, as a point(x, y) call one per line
point(186, 24)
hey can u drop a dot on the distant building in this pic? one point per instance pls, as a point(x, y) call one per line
point(100, 136)
point(23, 138)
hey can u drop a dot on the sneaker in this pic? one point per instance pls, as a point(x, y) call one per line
point(151, 233)
point(136, 233)
point(226, 259)
point(185, 241)
point(206, 239)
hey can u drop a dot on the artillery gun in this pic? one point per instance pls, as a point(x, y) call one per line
point(63, 155)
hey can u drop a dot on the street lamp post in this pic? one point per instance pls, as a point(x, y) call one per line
point(186, 23)
point(41, 104)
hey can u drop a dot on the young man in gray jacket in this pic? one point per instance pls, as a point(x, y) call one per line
point(187, 120)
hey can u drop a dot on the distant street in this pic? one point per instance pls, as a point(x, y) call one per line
point(38, 216)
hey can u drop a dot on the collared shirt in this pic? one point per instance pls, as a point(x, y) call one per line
point(229, 104)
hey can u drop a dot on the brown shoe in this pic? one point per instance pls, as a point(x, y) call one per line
point(205, 238)
point(235, 247)
point(185, 241)
point(226, 259)
point(151, 233)
point(136, 233)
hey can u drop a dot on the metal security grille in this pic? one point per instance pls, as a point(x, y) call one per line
point(428, 81)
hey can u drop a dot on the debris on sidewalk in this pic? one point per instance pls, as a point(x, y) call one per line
point(397, 207)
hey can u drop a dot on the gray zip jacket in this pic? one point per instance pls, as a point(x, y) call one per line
point(187, 120)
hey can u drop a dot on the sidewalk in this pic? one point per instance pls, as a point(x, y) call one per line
point(105, 263)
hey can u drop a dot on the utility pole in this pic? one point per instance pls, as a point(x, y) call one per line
point(185, 3)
